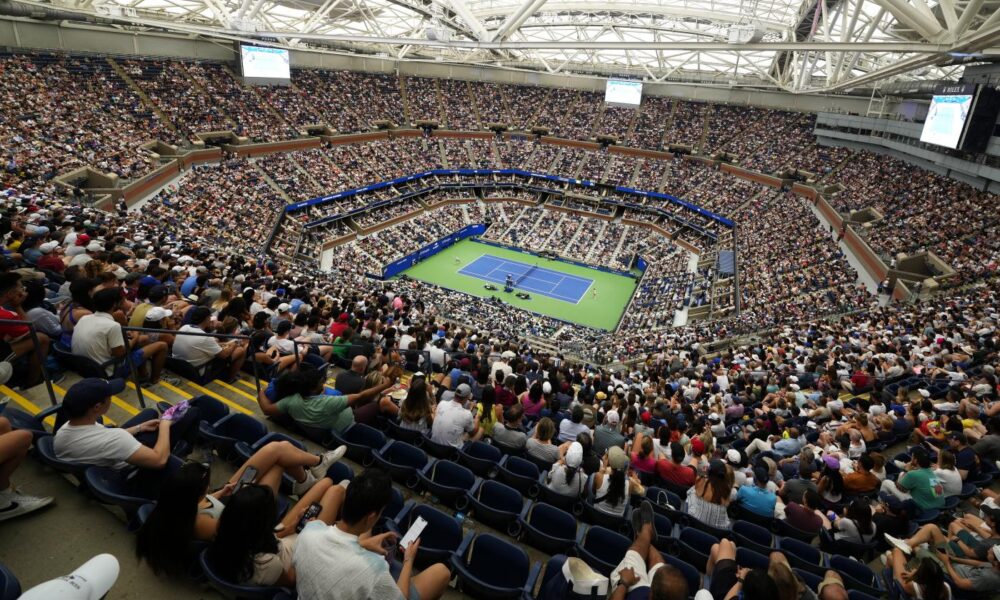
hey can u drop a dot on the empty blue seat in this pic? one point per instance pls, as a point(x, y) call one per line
point(520, 474)
point(802, 555)
point(340, 471)
point(856, 575)
point(695, 546)
point(812, 580)
point(786, 529)
point(445, 451)
point(224, 433)
point(667, 504)
point(497, 505)
point(231, 589)
point(750, 559)
point(691, 574)
point(856, 595)
point(753, 537)
point(10, 588)
point(602, 548)
point(442, 536)
point(547, 528)
point(480, 457)
point(592, 514)
point(490, 568)
point(449, 481)
point(410, 436)
point(573, 504)
point(361, 441)
point(402, 461)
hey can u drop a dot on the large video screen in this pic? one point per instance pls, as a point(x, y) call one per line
point(623, 92)
point(946, 120)
point(265, 63)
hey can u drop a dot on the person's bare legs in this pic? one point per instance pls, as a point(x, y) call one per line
point(898, 563)
point(928, 534)
point(283, 454)
point(156, 354)
point(643, 541)
point(432, 581)
point(329, 495)
point(14, 447)
point(725, 549)
point(653, 556)
point(236, 360)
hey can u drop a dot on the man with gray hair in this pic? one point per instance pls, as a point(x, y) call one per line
point(454, 420)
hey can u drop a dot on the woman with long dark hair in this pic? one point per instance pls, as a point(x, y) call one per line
point(856, 525)
point(184, 512)
point(926, 582)
point(831, 482)
point(416, 411)
point(533, 401)
point(488, 411)
point(252, 547)
point(613, 484)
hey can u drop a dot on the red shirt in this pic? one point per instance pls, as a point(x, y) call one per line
point(11, 330)
point(674, 473)
point(52, 263)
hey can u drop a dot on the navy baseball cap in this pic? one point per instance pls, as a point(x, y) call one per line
point(90, 391)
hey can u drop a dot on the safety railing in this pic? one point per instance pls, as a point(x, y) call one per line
point(33, 332)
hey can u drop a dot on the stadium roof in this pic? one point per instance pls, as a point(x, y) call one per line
point(794, 45)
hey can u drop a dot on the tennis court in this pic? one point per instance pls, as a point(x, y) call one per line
point(529, 277)
point(557, 289)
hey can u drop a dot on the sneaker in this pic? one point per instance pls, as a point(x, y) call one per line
point(6, 372)
point(345, 483)
point(21, 504)
point(174, 381)
point(301, 487)
point(901, 544)
point(326, 460)
point(884, 558)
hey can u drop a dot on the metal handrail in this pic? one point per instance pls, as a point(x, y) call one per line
point(32, 330)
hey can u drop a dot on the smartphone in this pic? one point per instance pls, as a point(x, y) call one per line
point(416, 528)
point(311, 513)
point(176, 411)
point(248, 477)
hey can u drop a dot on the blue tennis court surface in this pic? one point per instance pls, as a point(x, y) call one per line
point(539, 280)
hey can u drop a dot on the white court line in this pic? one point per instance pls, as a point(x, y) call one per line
point(584, 294)
point(507, 265)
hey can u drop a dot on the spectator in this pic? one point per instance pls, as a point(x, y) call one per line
point(540, 446)
point(14, 446)
point(205, 351)
point(509, 433)
point(454, 421)
point(566, 476)
point(918, 488)
point(642, 572)
point(614, 485)
point(805, 515)
point(99, 337)
point(674, 470)
point(862, 480)
point(708, 498)
point(16, 339)
point(344, 560)
point(573, 426)
point(302, 397)
point(416, 411)
point(757, 498)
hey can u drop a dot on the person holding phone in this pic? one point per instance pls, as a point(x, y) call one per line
point(336, 561)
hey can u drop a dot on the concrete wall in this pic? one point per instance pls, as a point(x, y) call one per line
point(78, 37)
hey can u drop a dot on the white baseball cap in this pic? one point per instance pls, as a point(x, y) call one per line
point(91, 581)
point(158, 312)
point(574, 455)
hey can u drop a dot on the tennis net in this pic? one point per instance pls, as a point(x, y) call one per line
point(525, 275)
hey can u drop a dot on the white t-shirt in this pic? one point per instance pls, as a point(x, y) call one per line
point(195, 349)
point(95, 335)
point(450, 423)
point(951, 481)
point(330, 564)
point(95, 445)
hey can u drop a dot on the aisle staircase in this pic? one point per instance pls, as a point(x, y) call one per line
point(137, 89)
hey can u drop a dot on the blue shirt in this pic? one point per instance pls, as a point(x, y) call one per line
point(759, 500)
point(787, 447)
point(189, 284)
